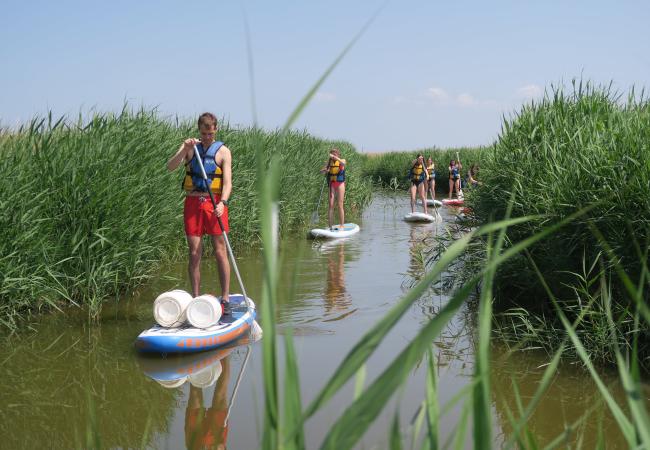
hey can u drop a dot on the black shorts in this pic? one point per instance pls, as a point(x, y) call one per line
point(416, 183)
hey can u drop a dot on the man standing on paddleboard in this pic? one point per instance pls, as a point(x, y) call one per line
point(199, 214)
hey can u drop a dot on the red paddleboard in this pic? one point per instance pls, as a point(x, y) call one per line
point(452, 202)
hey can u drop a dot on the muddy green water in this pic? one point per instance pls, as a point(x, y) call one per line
point(66, 384)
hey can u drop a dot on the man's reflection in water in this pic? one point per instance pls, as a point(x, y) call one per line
point(336, 297)
point(208, 428)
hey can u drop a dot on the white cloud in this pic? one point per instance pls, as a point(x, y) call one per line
point(530, 91)
point(438, 95)
point(323, 97)
point(466, 99)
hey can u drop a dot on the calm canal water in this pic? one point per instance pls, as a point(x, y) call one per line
point(66, 383)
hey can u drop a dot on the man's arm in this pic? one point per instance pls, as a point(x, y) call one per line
point(183, 154)
point(226, 169)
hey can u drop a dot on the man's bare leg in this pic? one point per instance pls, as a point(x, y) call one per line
point(194, 265)
point(223, 266)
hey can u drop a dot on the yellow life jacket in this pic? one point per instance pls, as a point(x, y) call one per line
point(417, 173)
point(430, 170)
point(337, 172)
point(193, 181)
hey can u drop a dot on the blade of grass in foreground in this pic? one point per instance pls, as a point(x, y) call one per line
point(268, 192)
point(395, 438)
point(365, 409)
point(482, 414)
point(371, 340)
point(354, 421)
point(268, 215)
point(433, 411)
point(292, 403)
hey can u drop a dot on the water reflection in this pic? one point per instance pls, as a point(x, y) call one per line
point(571, 410)
point(420, 240)
point(205, 427)
point(337, 299)
point(68, 386)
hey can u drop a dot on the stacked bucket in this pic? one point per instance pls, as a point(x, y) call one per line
point(175, 308)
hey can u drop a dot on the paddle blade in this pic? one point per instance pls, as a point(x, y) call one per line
point(314, 218)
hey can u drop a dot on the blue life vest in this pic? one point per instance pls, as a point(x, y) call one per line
point(454, 172)
point(194, 181)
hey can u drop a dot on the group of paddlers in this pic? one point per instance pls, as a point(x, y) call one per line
point(423, 179)
point(208, 185)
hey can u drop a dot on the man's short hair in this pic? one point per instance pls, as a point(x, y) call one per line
point(207, 120)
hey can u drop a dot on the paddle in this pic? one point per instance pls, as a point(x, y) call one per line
point(314, 217)
point(197, 155)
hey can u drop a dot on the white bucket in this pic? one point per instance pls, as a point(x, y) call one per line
point(207, 376)
point(169, 308)
point(204, 311)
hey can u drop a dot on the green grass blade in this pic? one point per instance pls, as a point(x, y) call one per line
point(461, 430)
point(371, 340)
point(433, 411)
point(395, 439)
point(292, 403)
point(417, 422)
point(360, 381)
point(354, 421)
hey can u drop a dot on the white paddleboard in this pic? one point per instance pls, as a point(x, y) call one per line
point(419, 217)
point(431, 202)
point(336, 232)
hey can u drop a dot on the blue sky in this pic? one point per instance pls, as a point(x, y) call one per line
point(424, 74)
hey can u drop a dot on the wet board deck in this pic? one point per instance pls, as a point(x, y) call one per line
point(336, 232)
point(431, 202)
point(419, 217)
point(452, 202)
point(187, 339)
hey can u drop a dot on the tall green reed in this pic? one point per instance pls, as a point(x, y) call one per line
point(588, 146)
point(89, 211)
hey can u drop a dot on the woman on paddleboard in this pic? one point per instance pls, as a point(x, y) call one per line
point(419, 181)
point(454, 177)
point(431, 170)
point(335, 172)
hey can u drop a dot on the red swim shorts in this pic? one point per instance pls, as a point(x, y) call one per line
point(335, 184)
point(200, 219)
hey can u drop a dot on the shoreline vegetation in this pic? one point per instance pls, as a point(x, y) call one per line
point(89, 210)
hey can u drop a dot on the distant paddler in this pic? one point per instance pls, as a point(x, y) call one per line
point(200, 215)
point(472, 175)
point(454, 177)
point(335, 170)
point(419, 182)
point(431, 170)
